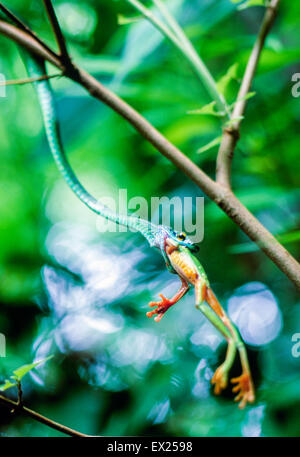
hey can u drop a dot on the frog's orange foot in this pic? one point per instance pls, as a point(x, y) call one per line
point(220, 379)
point(161, 307)
point(244, 390)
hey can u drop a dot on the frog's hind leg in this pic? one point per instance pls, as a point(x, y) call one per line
point(244, 387)
point(220, 378)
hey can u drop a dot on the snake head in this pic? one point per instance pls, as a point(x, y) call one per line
point(176, 238)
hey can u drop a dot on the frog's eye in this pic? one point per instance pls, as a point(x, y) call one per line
point(181, 236)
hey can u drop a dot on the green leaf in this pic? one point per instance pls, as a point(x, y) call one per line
point(7, 385)
point(22, 371)
point(246, 97)
point(232, 121)
point(207, 110)
point(244, 248)
point(249, 3)
point(124, 20)
point(210, 145)
point(289, 237)
point(230, 75)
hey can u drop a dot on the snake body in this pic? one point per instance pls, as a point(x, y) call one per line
point(36, 68)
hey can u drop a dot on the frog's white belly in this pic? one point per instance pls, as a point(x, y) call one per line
point(184, 266)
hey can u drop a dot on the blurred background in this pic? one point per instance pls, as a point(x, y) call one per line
point(68, 290)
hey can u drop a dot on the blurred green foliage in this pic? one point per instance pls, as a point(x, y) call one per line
point(70, 291)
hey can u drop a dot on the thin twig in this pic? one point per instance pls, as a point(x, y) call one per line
point(221, 195)
point(171, 21)
point(20, 394)
point(178, 38)
point(57, 32)
point(19, 402)
point(148, 14)
point(252, 64)
point(18, 407)
point(21, 25)
point(15, 82)
point(231, 134)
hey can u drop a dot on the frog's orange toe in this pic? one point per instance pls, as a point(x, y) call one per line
point(220, 380)
point(161, 307)
point(150, 313)
point(244, 390)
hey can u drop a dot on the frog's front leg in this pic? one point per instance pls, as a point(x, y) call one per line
point(165, 303)
point(220, 378)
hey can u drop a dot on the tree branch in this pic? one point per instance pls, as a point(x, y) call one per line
point(231, 134)
point(25, 28)
point(29, 42)
point(60, 39)
point(221, 195)
point(16, 406)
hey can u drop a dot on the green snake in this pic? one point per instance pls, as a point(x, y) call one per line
point(155, 234)
point(176, 248)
